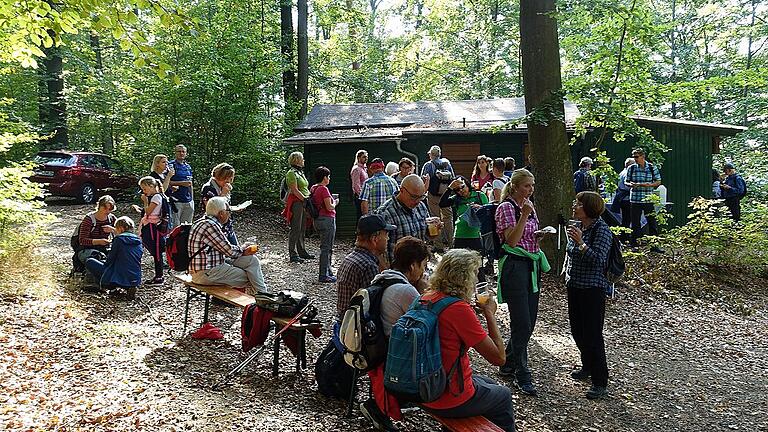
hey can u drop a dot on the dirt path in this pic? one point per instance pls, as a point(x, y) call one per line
point(78, 361)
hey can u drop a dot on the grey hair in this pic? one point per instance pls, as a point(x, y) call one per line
point(180, 146)
point(435, 151)
point(216, 205)
point(628, 161)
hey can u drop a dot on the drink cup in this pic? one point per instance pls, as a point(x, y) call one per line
point(482, 293)
point(574, 223)
point(335, 197)
point(432, 226)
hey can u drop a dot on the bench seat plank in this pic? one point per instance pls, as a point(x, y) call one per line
point(221, 292)
point(467, 424)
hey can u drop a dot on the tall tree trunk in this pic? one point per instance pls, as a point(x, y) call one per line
point(673, 49)
point(286, 49)
point(105, 126)
point(550, 154)
point(352, 23)
point(303, 53)
point(57, 108)
point(748, 66)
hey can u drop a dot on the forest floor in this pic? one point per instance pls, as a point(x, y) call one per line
point(70, 360)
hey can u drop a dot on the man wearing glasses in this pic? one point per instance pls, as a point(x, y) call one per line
point(407, 211)
point(642, 179)
point(216, 261)
point(182, 185)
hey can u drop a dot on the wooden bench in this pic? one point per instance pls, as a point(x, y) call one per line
point(236, 297)
point(467, 424)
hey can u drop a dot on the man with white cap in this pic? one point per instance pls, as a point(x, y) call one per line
point(440, 174)
point(583, 180)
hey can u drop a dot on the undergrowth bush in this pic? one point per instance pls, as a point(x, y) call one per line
point(712, 238)
point(22, 223)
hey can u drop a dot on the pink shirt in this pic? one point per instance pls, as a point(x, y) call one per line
point(505, 218)
point(482, 180)
point(359, 175)
point(319, 194)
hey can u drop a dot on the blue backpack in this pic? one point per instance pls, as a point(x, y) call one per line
point(414, 368)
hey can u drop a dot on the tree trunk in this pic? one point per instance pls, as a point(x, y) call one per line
point(105, 126)
point(550, 154)
point(750, 40)
point(286, 49)
point(352, 23)
point(303, 53)
point(57, 108)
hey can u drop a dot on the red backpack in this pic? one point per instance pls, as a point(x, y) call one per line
point(177, 248)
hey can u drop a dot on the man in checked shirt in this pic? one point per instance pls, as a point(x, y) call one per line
point(219, 262)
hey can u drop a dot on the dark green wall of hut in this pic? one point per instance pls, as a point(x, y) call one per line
point(686, 171)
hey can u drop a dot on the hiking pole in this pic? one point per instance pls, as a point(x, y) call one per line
point(255, 353)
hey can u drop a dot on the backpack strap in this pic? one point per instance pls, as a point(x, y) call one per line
point(437, 308)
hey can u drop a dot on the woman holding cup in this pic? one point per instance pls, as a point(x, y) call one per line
point(325, 224)
point(520, 267)
point(589, 242)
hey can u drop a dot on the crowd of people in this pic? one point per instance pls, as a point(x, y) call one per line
point(402, 219)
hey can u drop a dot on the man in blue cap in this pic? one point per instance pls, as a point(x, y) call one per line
point(733, 190)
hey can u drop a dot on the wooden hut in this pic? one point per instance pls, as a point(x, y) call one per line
point(331, 135)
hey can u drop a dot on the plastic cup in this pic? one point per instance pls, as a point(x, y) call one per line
point(432, 226)
point(481, 293)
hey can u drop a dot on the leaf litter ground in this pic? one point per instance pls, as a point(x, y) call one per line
point(78, 361)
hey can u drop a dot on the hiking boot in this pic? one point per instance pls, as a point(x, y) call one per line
point(580, 375)
point(155, 281)
point(597, 392)
point(327, 279)
point(506, 372)
point(130, 293)
point(528, 388)
point(378, 419)
point(307, 256)
point(296, 259)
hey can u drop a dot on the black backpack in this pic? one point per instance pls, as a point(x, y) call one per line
point(488, 236)
point(332, 374)
point(165, 215)
point(311, 208)
point(615, 266)
point(362, 332)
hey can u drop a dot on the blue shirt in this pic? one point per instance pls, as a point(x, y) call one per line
point(737, 186)
point(637, 174)
point(378, 189)
point(586, 269)
point(183, 173)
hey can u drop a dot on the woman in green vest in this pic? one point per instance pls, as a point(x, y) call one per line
point(520, 267)
point(462, 199)
point(298, 188)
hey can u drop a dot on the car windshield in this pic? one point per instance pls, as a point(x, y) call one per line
point(54, 159)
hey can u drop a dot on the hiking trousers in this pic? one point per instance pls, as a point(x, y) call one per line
point(445, 239)
point(491, 400)
point(184, 213)
point(297, 230)
point(637, 210)
point(586, 313)
point(734, 205)
point(326, 229)
point(242, 272)
point(523, 304)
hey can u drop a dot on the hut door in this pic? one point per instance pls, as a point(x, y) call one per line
point(462, 156)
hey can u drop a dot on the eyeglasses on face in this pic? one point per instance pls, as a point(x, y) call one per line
point(413, 195)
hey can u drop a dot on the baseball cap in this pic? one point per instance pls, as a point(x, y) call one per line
point(373, 223)
point(728, 165)
point(376, 164)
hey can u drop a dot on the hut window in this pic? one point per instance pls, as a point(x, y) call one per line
point(716, 144)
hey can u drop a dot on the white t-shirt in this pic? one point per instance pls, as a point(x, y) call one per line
point(499, 183)
point(157, 199)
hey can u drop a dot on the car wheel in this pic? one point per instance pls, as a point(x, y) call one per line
point(87, 193)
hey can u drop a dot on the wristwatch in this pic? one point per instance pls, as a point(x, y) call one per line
point(583, 247)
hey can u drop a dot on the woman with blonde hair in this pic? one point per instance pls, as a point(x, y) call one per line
point(520, 267)
point(162, 171)
point(459, 328)
point(298, 187)
point(358, 175)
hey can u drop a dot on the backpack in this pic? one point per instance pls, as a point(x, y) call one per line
point(590, 182)
point(414, 368)
point(741, 179)
point(311, 208)
point(284, 191)
point(286, 303)
point(332, 374)
point(165, 215)
point(488, 236)
point(74, 240)
point(440, 177)
point(615, 267)
point(177, 248)
point(362, 332)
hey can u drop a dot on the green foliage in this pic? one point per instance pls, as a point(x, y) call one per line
point(712, 238)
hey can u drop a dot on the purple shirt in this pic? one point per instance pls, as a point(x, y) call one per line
point(505, 218)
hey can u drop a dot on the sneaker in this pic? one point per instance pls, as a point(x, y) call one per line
point(580, 375)
point(378, 419)
point(296, 259)
point(506, 372)
point(155, 281)
point(130, 293)
point(327, 279)
point(528, 388)
point(597, 392)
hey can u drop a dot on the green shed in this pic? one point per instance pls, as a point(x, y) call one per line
point(331, 135)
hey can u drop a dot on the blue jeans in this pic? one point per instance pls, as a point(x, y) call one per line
point(95, 267)
point(326, 229)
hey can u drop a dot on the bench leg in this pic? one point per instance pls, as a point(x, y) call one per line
point(301, 356)
point(276, 355)
point(186, 311)
point(207, 304)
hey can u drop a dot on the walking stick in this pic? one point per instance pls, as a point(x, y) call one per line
point(255, 353)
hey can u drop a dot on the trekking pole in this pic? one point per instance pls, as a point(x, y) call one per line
point(255, 353)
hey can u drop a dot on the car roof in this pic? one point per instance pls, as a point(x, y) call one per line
point(73, 153)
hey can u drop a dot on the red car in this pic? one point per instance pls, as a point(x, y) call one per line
point(82, 175)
